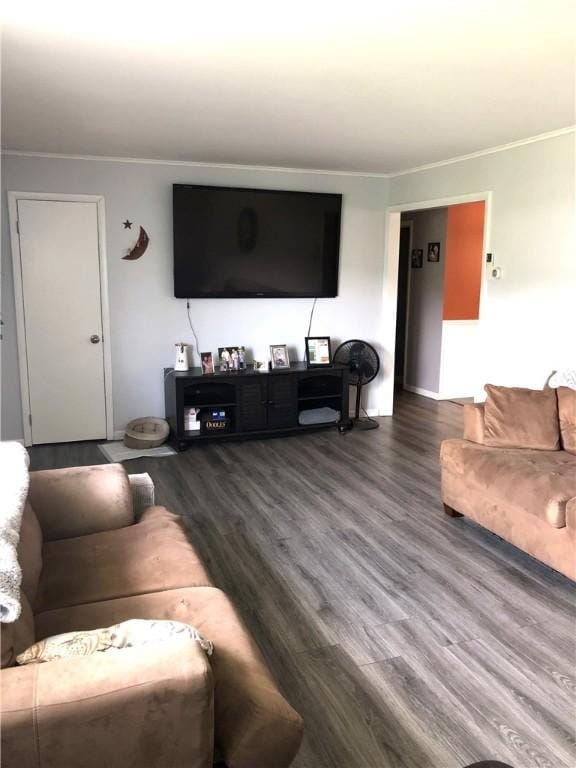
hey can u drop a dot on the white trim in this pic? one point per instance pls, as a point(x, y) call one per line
point(489, 151)
point(118, 434)
point(440, 202)
point(13, 198)
point(19, 305)
point(105, 309)
point(194, 164)
point(275, 168)
point(459, 322)
point(434, 395)
point(423, 392)
point(390, 277)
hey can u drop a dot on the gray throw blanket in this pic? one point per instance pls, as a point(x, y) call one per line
point(13, 492)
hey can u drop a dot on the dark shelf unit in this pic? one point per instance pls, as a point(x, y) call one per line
point(257, 404)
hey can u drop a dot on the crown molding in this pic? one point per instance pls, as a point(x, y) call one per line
point(282, 169)
point(192, 164)
point(490, 151)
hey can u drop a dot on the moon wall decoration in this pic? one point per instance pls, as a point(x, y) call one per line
point(140, 247)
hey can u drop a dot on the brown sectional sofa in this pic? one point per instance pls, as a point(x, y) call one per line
point(528, 497)
point(86, 564)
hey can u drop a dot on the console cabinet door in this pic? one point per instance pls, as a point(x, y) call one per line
point(282, 401)
point(252, 404)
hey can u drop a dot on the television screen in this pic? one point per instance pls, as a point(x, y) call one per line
point(231, 243)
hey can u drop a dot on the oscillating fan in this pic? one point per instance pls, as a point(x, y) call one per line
point(362, 361)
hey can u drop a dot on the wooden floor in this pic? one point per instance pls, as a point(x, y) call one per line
point(405, 639)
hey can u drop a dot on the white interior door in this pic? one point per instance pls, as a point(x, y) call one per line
point(62, 307)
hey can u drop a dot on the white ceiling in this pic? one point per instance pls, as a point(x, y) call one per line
point(365, 86)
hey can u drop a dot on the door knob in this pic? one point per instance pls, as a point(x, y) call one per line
point(95, 339)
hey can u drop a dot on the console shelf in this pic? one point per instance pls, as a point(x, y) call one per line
point(258, 404)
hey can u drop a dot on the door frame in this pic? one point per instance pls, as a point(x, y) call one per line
point(410, 226)
point(13, 198)
point(390, 287)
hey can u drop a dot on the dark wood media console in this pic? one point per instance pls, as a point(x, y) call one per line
point(256, 404)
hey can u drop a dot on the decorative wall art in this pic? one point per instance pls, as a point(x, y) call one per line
point(434, 252)
point(416, 258)
point(139, 248)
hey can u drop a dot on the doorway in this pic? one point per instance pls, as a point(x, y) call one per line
point(63, 335)
point(458, 335)
point(402, 304)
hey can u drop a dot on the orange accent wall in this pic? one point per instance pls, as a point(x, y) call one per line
point(463, 267)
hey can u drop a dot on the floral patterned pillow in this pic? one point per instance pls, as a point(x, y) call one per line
point(128, 634)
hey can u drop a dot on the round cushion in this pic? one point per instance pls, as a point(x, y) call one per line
point(146, 432)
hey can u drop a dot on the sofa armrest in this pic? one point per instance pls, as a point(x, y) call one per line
point(150, 706)
point(474, 422)
point(81, 500)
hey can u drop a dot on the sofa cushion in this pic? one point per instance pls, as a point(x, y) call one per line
point(81, 500)
point(521, 418)
point(30, 553)
point(18, 635)
point(153, 555)
point(254, 724)
point(567, 415)
point(538, 482)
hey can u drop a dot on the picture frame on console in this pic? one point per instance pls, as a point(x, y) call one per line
point(318, 352)
point(231, 359)
point(207, 362)
point(279, 356)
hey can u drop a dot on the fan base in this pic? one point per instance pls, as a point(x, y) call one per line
point(363, 423)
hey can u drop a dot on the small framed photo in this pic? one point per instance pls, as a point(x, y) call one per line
point(232, 358)
point(318, 353)
point(416, 258)
point(207, 362)
point(279, 356)
point(433, 251)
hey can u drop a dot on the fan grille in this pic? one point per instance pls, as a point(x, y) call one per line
point(361, 358)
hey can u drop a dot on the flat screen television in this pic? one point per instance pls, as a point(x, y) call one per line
point(257, 243)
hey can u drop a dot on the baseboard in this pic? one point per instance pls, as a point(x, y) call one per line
point(423, 392)
point(435, 395)
point(119, 434)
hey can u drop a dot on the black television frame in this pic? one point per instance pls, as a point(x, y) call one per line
point(330, 294)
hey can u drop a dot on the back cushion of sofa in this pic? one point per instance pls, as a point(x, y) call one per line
point(521, 418)
point(30, 553)
point(16, 637)
point(567, 414)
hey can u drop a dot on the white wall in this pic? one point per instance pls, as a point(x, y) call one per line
point(426, 302)
point(146, 320)
point(528, 321)
point(459, 375)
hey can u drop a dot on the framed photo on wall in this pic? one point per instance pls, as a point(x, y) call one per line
point(416, 258)
point(318, 352)
point(279, 356)
point(433, 251)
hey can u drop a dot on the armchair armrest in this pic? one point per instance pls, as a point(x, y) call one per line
point(474, 423)
point(150, 706)
point(81, 500)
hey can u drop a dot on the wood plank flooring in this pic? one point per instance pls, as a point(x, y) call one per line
point(406, 639)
